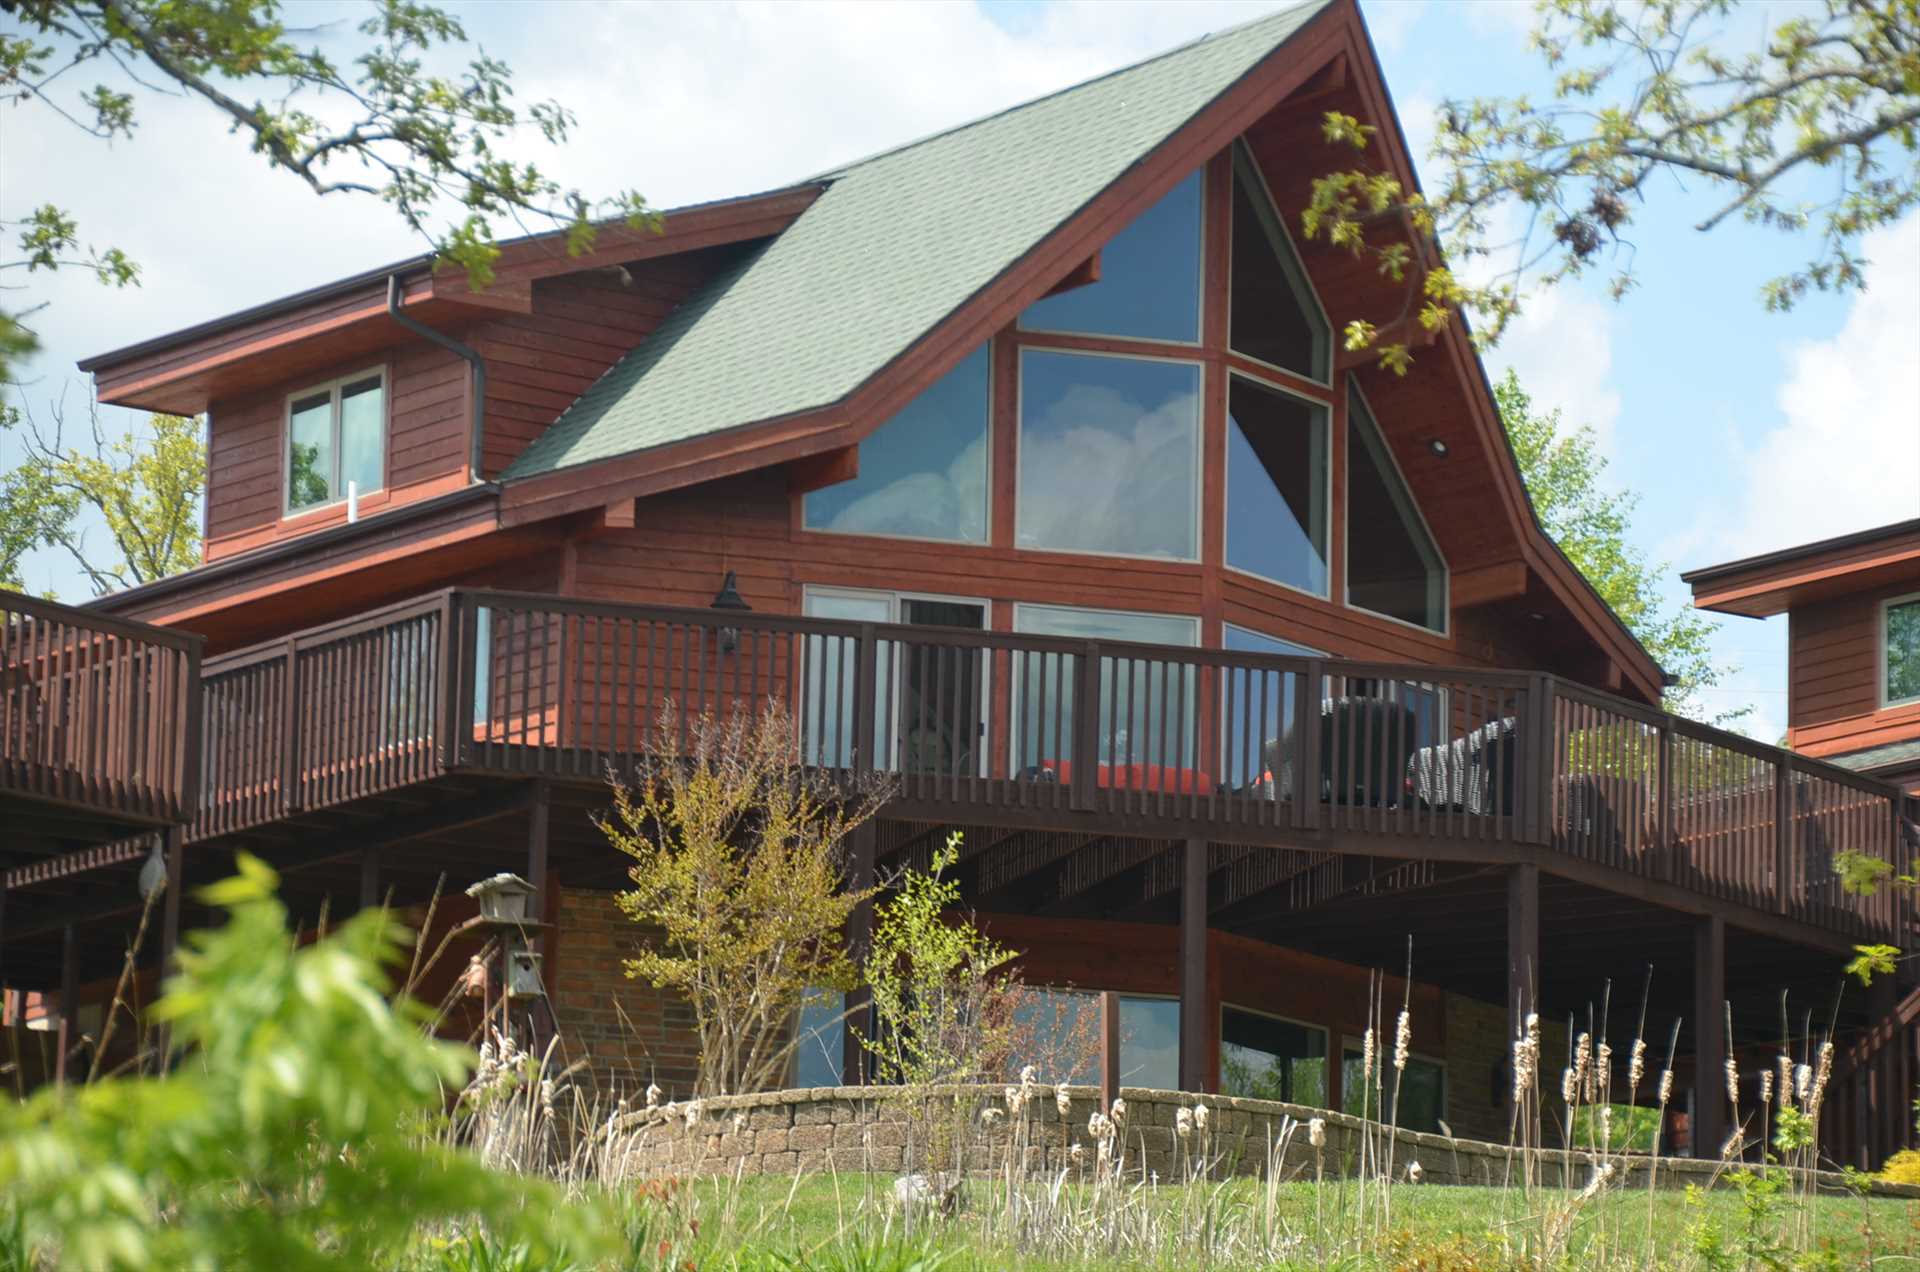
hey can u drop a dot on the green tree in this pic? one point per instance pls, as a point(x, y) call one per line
point(1563, 470)
point(384, 126)
point(143, 487)
point(739, 881)
point(1813, 129)
point(296, 1131)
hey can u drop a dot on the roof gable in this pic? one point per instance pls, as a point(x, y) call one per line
point(895, 244)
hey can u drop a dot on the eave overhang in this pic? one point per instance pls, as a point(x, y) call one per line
point(1774, 582)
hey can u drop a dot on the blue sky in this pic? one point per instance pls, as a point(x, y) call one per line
point(1740, 431)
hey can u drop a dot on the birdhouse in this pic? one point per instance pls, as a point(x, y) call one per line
point(523, 974)
point(502, 898)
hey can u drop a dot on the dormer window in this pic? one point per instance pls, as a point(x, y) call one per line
point(336, 438)
point(1900, 656)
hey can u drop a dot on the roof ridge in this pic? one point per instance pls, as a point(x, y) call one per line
point(840, 170)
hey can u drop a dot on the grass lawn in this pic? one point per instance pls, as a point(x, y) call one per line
point(850, 1222)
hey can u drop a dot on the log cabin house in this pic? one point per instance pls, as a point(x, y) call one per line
point(1024, 463)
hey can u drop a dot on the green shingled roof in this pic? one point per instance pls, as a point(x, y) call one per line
point(895, 244)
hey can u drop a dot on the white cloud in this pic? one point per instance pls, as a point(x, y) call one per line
point(1847, 456)
point(1562, 347)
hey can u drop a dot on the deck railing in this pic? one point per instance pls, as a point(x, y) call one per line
point(97, 714)
point(1138, 739)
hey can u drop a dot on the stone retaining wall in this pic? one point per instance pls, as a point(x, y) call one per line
point(875, 1129)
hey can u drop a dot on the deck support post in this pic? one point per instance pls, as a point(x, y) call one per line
point(542, 1021)
point(1195, 1019)
point(860, 875)
point(1523, 957)
point(68, 1032)
point(1708, 1125)
point(174, 847)
point(1109, 1050)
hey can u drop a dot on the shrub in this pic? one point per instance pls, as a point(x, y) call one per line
point(1902, 1168)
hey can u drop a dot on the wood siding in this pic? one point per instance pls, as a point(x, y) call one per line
point(1833, 653)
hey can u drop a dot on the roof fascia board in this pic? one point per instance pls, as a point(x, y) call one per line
point(1763, 585)
point(973, 322)
point(524, 262)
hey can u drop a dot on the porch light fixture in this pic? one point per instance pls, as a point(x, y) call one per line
point(729, 600)
point(1437, 446)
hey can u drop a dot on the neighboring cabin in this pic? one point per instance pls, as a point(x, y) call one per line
point(1853, 642)
point(1031, 450)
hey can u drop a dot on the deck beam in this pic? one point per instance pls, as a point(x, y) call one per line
point(1196, 1069)
point(1709, 1120)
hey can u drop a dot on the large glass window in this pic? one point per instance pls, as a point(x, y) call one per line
point(1274, 316)
point(1058, 1032)
point(1266, 1058)
point(923, 474)
point(1149, 285)
point(1109, 455)
point(1277, 485)
point(1422, 1100)
point(336, 436)
point(822, 1030)
point(1146, 709)
point(1903, 650)
point(1393, 567)
point(1258, 713)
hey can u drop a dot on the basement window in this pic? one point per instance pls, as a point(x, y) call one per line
point(1900, 662)
point(1266, 1058)
point(336, 438)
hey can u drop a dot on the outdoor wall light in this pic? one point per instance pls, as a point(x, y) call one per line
point(1438, 447)
point(729, 599)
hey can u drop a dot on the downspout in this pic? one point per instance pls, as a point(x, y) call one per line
point(473, 359)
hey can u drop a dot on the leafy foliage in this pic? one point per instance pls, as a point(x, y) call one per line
point(385, 126)
point(1815, 132)
point(940, 985)
point(740, 877)
point(145, 488)
point(289, 1135)
point(1563, 471)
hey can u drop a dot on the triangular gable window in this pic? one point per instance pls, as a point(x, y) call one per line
point(1275, 318)
point(1393, 567)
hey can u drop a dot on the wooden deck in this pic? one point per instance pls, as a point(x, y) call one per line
point(996, 729)
point(99, 737)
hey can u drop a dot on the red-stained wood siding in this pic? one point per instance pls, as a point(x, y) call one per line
point(581, 324)
point(1833, 652)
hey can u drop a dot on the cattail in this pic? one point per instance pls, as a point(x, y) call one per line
point(546, 1096)
point(1183, 1123)
point(1402, 1037)
point(1583, 1065)
point(1766, 1086)
point(1731, 1149)
point(1200, 1116)
point(1606, 1124)
point(739, 1122)
point(1786, 1081)
point(1366, 1055)
point(1015, 1098)
point(1821, 1075)
point(1103, 1150)
point(1523, 1062)
point(1601, 1174)
point(693, 1114)
point(990, 1115)
point(653, 1096)
point(1414, 1173)
point(1569, 1086)
point(1062, 1102)
point(1027, 1076)
point(1803, 1082)
point(1317, 1132)
point(1637, 1064)
point(1603, 1069)
point(1119, 1114)
point(1078, 1154)
point(1733, 1081)
point(1666, 1086)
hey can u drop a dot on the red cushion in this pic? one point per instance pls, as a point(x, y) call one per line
point(1141, 777)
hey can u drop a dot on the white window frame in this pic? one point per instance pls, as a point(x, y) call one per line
point(332, 389)
point(1445, 630)
point(1199, 455)
point(1241, 151)
point(986, 539)
point(1200, 292)
point(1884, 621)
point(1326, 1035)
point(1226, 484)
point(889, 729)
